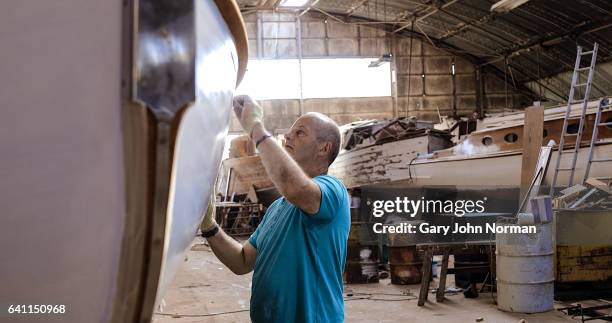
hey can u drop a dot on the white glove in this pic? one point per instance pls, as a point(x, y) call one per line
point(249, 113)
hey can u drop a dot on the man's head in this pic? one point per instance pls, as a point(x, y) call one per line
point(314, 142)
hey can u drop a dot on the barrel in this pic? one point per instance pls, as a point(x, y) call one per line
point(362, 255)
point(405, 262)
point(525, 270)
point(361, 263)
point(406, 265)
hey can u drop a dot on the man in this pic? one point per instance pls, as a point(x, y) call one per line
point(299, 249)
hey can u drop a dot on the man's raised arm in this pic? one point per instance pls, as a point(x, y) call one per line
point(288, 178)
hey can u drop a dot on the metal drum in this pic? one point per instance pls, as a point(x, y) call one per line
point(361, 264)
point(525, 270)
point(405, 263)
point(114, 120)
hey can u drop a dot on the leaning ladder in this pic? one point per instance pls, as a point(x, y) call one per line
point(570, 101)
point(603, 104)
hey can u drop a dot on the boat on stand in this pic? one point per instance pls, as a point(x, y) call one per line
point(488, 156)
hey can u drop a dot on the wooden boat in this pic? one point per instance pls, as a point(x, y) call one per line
point(490, 156)
point(243, 176)
point(115, 117)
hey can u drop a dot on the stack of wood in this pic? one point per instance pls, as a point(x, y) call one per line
point(593, 194)
point(242, 146)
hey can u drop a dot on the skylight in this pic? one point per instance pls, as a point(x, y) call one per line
point(293, 3)
point(321, 78)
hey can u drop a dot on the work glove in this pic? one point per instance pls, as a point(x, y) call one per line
point(249, 113)
point(209, 218)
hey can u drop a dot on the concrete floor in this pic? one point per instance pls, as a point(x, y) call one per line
point(205, 291)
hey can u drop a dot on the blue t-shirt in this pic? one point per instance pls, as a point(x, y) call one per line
point(300, 259)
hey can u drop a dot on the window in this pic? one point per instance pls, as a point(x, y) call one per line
point(572, 128)
point(511, 137)
point(487, 141)
point(293, 3)
point(345, 77)
point(271, 79)
point(321, 78)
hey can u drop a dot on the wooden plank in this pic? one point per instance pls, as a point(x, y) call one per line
point(426, 277)
point(139, 159)
point(595, 183)
point(532, 142)
point(443, 273)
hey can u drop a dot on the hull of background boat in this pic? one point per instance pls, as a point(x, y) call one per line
point(502, 169)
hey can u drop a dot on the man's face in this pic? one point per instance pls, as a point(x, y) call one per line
point(301, 141)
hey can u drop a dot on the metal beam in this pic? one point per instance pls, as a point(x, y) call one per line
point(578, 30)
point(485, 33)
point(555, 74)
point(466, 25)
point(356, 6)
point(419, 17)
point(312, 4)
point(539, 82)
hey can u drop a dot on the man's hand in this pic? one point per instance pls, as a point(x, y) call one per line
point(240, 259)
point(249, 113)
point(209, 218)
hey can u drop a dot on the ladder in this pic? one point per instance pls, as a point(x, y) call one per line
point(570, 101)
point(603, 104)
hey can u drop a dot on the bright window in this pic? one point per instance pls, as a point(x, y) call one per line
point(321, 78)
point(345, 78)
point(293, 3)
point(271, 79)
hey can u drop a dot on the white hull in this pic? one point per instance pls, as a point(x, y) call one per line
point(499, 170)
point(394, 164)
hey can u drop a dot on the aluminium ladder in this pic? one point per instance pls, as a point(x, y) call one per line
point(570, 101)
point(603, 104)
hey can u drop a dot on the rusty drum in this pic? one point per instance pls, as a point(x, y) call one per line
point(405, 262)
point(361, 264)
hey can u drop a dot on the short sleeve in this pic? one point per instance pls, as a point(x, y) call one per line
point(333, 194)
point(253, 238)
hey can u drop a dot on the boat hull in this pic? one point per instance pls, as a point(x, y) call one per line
point(502, 169)
point(105, 174)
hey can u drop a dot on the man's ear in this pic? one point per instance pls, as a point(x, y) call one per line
point(326, 147)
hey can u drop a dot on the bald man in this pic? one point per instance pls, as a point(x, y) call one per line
point(299, 249)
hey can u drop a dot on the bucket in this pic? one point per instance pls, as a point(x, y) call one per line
point(525, 270)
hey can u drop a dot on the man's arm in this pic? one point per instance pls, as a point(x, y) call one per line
point(286, 174)
point(239, 258)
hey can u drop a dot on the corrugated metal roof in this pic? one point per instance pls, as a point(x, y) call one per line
point(536, 40)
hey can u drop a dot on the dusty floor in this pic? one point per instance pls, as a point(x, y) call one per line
point(205, 291)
